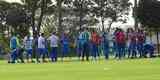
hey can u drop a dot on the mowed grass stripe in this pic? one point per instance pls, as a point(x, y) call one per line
point(138, 69)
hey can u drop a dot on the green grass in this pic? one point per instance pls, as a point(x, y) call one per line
point(139, 69)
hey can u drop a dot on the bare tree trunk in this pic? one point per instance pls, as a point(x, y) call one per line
point(110, 26)
point(102, 18)
point(135, 14)
point(60, 28)
point(3, 31)
point(1, 26)
point(150, 34)
point(102, 21)
point(158, 42)
point(41, 16)
point(80, 20)
point(80, 13)
point(33, 23)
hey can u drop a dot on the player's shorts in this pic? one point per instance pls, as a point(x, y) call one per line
point(29, 51)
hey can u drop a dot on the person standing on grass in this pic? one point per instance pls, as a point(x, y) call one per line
point(79, 44)
point(41, 48)
point(99, 42)
point(86, 36)
point(115, 47)
point(35, 46)
point(94, 43)
point(149, 48)
point(65, 42)
point(53, 40)
point(14, 48)
point(105, 43)
point(140, 42)
point(132, 42)
point(120, 41)
point(47, 54)
point(28, 45)
point(20, 50)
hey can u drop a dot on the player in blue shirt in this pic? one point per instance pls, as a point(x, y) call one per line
point(105, 43)
point(65, 45)
point(79, 44)
point(14, 45)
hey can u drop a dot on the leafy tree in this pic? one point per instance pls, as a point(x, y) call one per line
point(112, 10)
point(82, 10)
point(34, 6)
point(4, 6)
point(16, 18)
point(77, 14)
point(148, 15)
point(49, 24)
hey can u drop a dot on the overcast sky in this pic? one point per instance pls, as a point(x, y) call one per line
point(130, 21)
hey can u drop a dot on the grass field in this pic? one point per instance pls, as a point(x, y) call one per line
point(139, 69)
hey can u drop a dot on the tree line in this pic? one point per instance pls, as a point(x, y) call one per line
point(59, 15)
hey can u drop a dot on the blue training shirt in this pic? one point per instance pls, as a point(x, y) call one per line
point(13, 42)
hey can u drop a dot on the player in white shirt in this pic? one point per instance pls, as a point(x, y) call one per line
point(53, 40)
point(41, 47)
point(28, 45)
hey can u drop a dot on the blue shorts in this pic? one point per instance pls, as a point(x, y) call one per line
point(79, 48)
point(14, 55)
point(29, 51)
point(54, 52)
point(65, 50)
point(140, 46)
point(94, 50)
point(41, 51)
point(132, 46)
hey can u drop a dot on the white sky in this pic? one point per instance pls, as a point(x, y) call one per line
point(128, 24)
